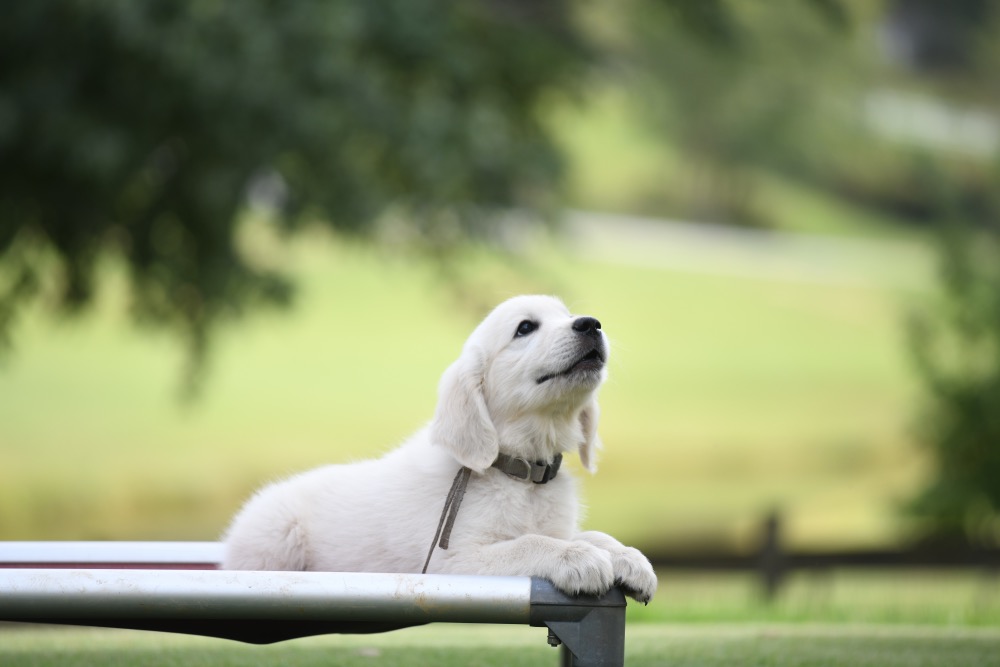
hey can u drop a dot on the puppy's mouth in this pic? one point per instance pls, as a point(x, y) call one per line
point(589, 362)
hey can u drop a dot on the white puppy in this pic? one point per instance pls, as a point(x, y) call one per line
point(521, 393)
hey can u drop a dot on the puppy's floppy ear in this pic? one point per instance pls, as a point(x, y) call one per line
point(591, 442)
point(462, 422)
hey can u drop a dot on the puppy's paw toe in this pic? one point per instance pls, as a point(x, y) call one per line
point(635, 575)
point(584, 569)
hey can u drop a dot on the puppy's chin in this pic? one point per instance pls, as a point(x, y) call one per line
point(583, 375)
point(589, 376)
point(570, 388)
point(586, 367)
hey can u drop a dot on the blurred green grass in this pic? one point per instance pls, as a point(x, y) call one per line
point(651, 644)
point(881, 597)
point(728, 396)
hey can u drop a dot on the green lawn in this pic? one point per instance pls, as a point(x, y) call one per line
point(447, 645)
point(902, 597)
point(728, 396)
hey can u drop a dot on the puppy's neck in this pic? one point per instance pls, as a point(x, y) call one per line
point(539, 438)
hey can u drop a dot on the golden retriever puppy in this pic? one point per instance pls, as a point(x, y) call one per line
point(521, 394)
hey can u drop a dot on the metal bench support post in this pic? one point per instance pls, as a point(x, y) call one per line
point(591, 630)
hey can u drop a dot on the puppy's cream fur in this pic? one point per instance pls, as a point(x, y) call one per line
point(527, 392)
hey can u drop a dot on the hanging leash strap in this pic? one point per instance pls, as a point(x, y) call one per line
point(449, 513)
point(522, 469)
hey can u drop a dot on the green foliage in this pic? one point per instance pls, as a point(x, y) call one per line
point(944, 35)
point(727, 82)
point(140, 129)
point(957, 348)
point(807, 89)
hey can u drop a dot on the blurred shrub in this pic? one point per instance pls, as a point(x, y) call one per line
point(957, 348)
point(934, 73)
point(730, 84)
point(742, 88)
point(140, 128)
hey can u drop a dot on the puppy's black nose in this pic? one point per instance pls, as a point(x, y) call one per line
point(586, 325)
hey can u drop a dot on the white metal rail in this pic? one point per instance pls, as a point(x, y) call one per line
point(172, 587)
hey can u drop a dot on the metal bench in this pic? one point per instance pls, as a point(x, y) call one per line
point(176, 587)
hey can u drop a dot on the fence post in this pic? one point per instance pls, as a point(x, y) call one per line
point(771, 560)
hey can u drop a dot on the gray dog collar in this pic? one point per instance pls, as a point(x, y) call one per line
point(538, 472)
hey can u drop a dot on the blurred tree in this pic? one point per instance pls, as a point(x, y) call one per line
point(952, 49)
point(751, 88)
point(937, 37)
point(737, 85)
point(957, 348)
point(942, 59)
point(138, 129)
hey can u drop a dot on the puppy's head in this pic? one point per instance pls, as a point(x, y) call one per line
point(525, 383)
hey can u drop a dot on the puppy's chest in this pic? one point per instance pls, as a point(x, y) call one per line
point(510, 508)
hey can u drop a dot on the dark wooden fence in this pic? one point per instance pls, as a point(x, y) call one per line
point(773, 563)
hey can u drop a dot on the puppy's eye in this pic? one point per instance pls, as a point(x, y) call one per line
point(525, 328)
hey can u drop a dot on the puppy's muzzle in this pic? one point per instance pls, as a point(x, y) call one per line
point(592, 353)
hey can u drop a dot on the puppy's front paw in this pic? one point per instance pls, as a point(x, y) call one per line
point(635, 574)
point(583, 568)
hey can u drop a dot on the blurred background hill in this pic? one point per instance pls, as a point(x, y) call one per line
point(240, 240)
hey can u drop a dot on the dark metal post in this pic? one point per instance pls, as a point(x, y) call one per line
point(772, 560)
point(591, 629)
